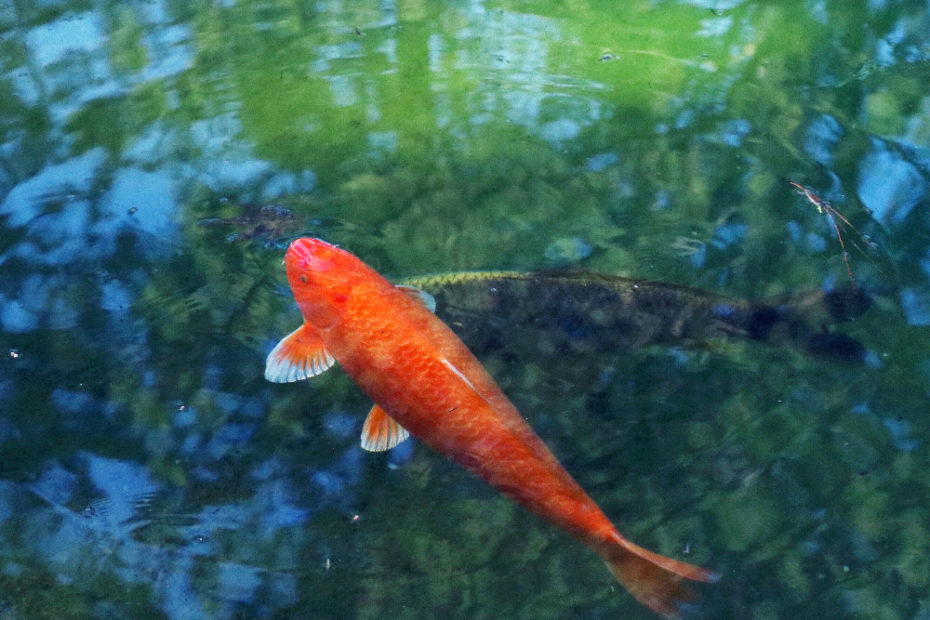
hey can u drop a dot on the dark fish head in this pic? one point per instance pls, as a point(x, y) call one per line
point(847, 304)
point(836, 346)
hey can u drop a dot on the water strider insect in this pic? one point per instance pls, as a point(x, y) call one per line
point(833, 215)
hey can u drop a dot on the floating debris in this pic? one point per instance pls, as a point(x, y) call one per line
point(271, 222)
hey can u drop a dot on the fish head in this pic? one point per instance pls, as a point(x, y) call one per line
point(321, 277)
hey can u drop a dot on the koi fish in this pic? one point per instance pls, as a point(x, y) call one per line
point(426, 383)
point(580, 312)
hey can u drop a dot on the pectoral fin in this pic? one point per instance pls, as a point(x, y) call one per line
point(419, 295)
point(381, 432)
point(299, 355)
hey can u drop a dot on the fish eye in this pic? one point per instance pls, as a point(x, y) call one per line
point(303, 279)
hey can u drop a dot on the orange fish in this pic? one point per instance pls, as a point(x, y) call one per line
point(426, 383)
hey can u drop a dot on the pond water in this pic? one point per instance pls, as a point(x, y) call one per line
point(157, 157)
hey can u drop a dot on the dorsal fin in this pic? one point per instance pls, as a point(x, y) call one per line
point(299, 355)
point(380, 432)
point(419, 295)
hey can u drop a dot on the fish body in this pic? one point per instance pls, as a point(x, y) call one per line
point(561, 312)
point(425, 382)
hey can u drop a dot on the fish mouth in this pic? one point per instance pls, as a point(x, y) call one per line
point(310, 253)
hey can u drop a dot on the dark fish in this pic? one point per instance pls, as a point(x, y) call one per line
point(564, 312)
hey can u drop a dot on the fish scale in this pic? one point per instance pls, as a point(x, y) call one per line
point(580, 312)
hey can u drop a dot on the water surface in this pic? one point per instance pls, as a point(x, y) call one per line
point(156, 158)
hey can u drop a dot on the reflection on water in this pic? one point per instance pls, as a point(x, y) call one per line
point(145, 465)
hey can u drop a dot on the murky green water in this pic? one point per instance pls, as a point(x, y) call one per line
point(156, 158)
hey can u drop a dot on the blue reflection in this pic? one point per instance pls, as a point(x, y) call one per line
point(601, 161)
point(916, 305)
point(237, 582)
point(15, 318)
point(822, 138)
point(901, 434)
point(560, 130)
point(567, 251)
point(56, 485)
point(698, 258)
point(341, 425)
point(899, 428)
point(121, 483)
point(8, 430)
point(731, 233)
point(227, 437)
point(889, 185)
point(227, 401)
point(337, 480)
point(402, 454)
point(170, 52)
point(115, 297)
point(278, 509)
point(715, 26)
point(66, 180)
point(75, 33)
point(178, 599)
point(141, 200)
point(716, 5)
point(734, 131)
point(71, 402)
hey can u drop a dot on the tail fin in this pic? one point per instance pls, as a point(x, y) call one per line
point(654, 580)
point(805, 319)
